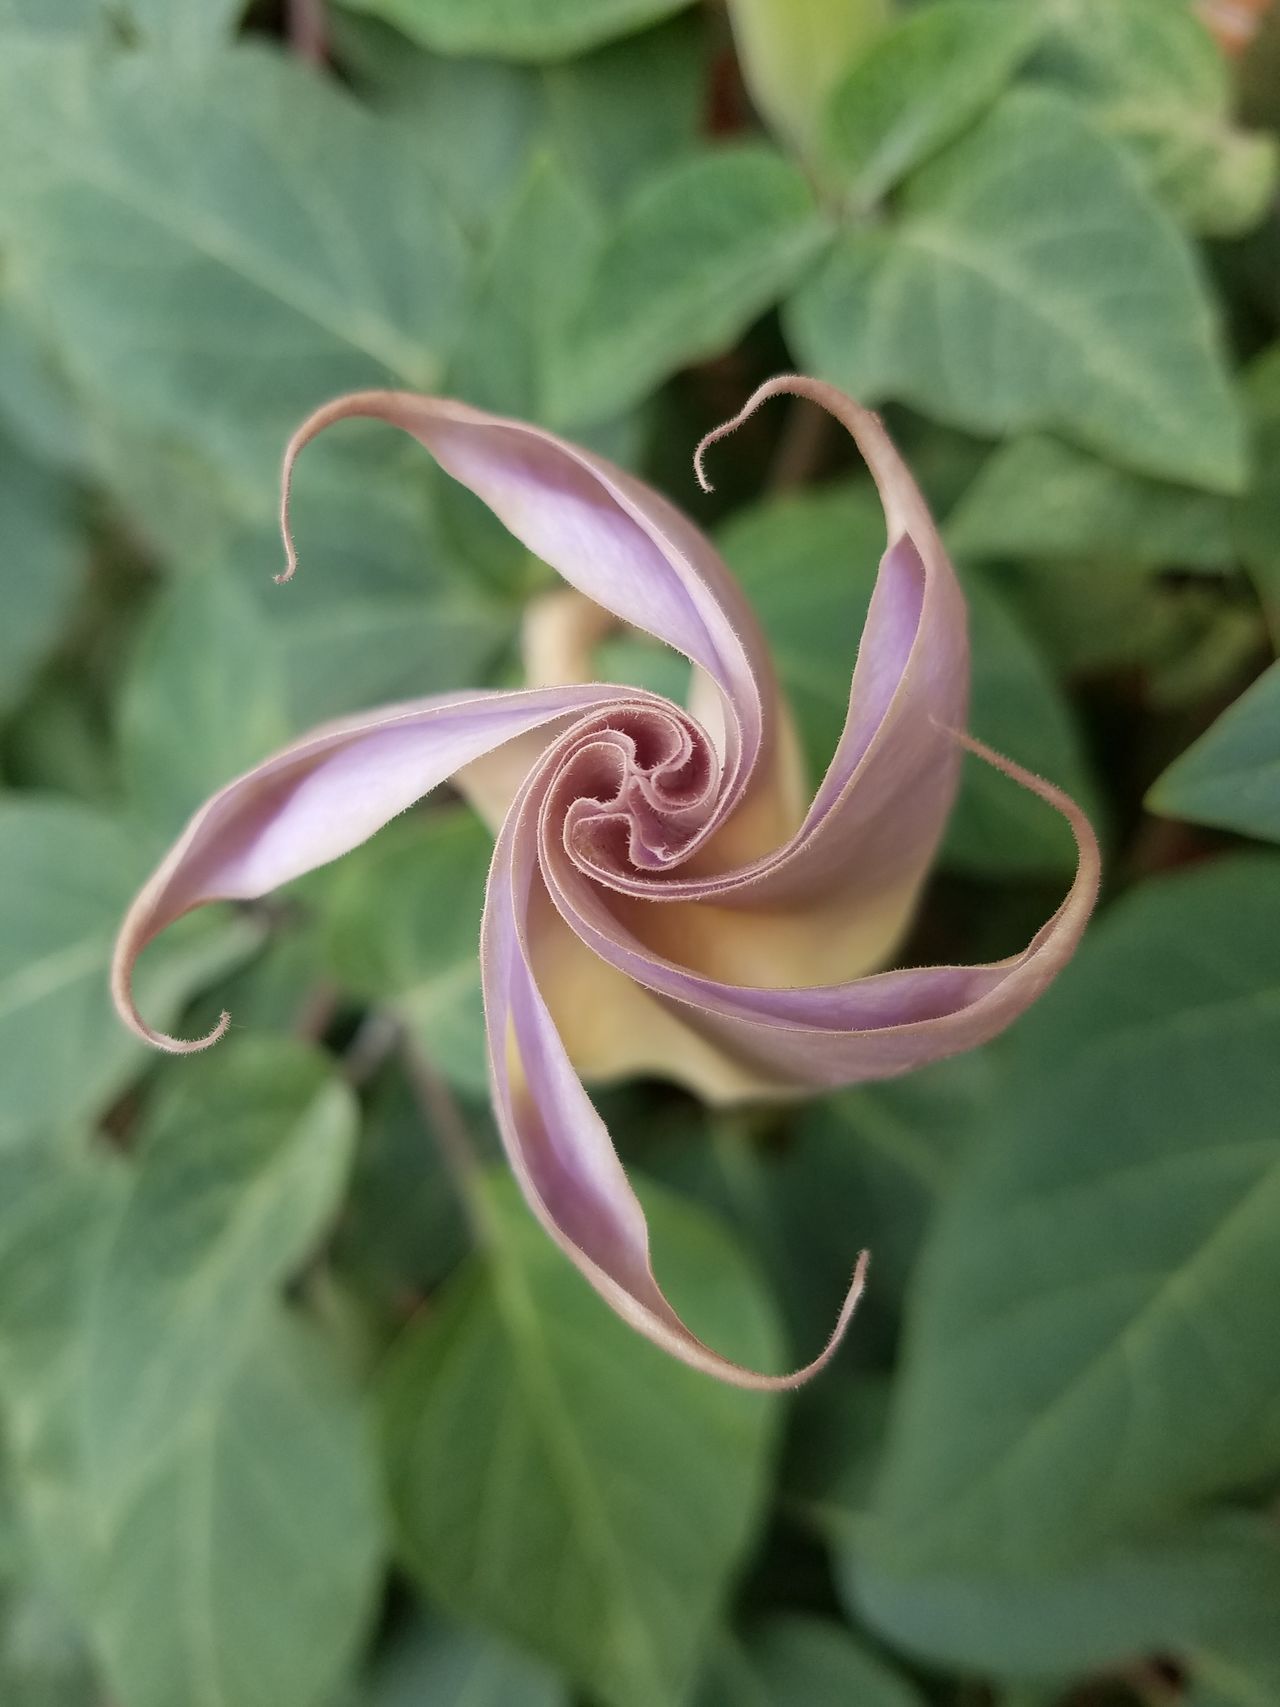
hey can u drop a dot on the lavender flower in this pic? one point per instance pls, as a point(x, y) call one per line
point(660, 895)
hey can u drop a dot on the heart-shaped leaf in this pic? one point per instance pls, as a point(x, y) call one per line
point(524, 1424)
point(1030, 283)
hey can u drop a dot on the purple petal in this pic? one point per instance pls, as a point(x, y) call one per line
point(614, 539)
point(560, 1149)
point(315, 800)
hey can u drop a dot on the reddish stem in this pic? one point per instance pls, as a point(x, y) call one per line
point(308, 30)
point(1234, 22)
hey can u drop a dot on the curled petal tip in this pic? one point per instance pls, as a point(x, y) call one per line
point(771, 388)
point(373, 404)
point(668, 1332)
point(852, 1298)
point(713, 437)
point(1085, 836)
point(175, 1045)
point(193, 1045)
point(699, 468)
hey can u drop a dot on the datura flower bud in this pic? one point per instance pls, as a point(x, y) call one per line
point(661, 896)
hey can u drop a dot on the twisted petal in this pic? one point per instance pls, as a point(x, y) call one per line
point(315, 800)
point(656, 896)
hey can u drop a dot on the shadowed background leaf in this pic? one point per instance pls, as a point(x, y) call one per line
point(1231, 777)
point(803, 1659)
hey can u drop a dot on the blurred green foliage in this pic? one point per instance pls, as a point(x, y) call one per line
point(288, 1417)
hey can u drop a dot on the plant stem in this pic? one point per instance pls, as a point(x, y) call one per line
point(447, 1123)
point(308, 30)
point(377, 1038)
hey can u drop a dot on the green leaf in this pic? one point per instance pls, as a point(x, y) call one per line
point(473, 122)
point(59, 1201)
point(203, 699)
point(1146, 969)
point(67, 874)
point(610, 117)
point(45, 544)
point(220, 1541)
point(240, 1166)
point(523, 1423)
point(13, 1550)
point(1230, 778)
point(697, 254)
point(1256, 518)
point(921, 84)
point(384, 606)
point(808, 564)
point(42, 1659)
point(794, 1658)
point(869, 1166)
point(57, 740)
point(49, 17)
point(307, 251)
point(38, 409)
point(1017, 708)
point(349, 654)
point(1030, 283)
point(239, 1570)
point(404, 930)
point(863, 1168)
point(1108, 1263)
point(1243, 1671)
point(1184, 1592)
point(616, 116)
point(1039, 498)
point(285, 991)
point(402, 1228)
point(1106, 615)
point(792, 52)
point(1160, 84)
point(565, 143)
point(834, 1448)
point(517, 29)
point(519, 304)
point(439, 1662)
point(185, 29)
